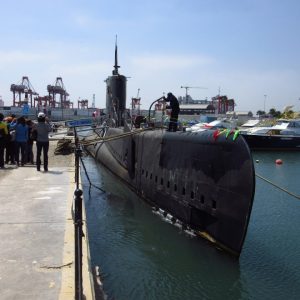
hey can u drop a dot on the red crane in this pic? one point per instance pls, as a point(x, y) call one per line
point(24, 87)
point(83, 104)
point(59, 89)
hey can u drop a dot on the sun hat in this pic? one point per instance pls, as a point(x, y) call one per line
point(41, 115)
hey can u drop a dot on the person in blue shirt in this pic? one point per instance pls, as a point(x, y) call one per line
point(21, 138)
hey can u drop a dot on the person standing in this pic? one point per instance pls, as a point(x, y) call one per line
point(29, 152)
point(21, 138)
point(174, 105)
point(10, 145)
point(42, 141)
point(3, 139)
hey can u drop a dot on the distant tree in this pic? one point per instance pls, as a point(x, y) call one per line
point(274, 113)
point(250, 114)
point(260, 113)
point(288, 114)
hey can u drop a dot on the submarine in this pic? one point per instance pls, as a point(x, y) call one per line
point(206, 182)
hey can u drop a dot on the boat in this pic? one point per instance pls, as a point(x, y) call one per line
point(204, 181)
point(284, 135)
point(216, 124)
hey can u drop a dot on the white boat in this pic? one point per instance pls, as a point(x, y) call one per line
point(223, 123)
point(284, 135)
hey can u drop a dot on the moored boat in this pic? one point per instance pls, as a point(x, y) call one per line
point(284, 135)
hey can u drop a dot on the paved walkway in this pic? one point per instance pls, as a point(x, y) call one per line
point(36, 233)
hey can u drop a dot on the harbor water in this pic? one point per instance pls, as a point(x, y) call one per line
point(142, 256)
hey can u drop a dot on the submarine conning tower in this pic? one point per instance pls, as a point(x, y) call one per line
point(116, 94)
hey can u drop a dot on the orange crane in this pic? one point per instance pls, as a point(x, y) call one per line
point(190, 87)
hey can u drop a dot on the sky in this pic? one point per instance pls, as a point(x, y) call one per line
point(248, 50)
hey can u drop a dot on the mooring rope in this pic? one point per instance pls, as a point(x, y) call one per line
point(88, 178)
point(277, 186)
point(115, 137)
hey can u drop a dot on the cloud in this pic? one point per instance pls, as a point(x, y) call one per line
point(19, 57)
point(82, 69)
point(170, 62)
point(248, 88)
point(85, 21)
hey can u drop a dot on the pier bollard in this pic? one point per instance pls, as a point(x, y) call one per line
point(78, 243)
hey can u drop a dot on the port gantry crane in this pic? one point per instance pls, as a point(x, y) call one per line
point(24, 87)
point(59, 88)
point(83, 104)
point(190, 87)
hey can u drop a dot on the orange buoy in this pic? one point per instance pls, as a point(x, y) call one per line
point(278, 161)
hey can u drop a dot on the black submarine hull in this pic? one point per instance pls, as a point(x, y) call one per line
point(207, 183)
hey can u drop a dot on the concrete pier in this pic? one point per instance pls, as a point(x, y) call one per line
point(37, 232)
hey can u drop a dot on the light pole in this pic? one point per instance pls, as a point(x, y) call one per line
point(265, 103)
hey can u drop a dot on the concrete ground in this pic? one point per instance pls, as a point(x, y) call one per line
point(37, 232)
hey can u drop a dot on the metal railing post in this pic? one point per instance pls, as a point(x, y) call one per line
point(77, 157)
point(78, 244)
point(77, 160)
point(78, 224)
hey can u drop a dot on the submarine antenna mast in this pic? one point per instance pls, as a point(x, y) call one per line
point(116, 93)
point(116, 67)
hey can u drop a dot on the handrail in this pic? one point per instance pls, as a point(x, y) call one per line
point(78, 224)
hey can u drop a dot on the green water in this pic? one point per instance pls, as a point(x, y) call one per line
point(141, 256)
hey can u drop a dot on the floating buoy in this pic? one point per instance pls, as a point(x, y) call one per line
point(278, 161)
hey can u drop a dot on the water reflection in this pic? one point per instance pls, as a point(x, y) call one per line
point(143, 257)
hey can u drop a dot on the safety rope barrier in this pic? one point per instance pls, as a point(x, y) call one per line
point(277, 186)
